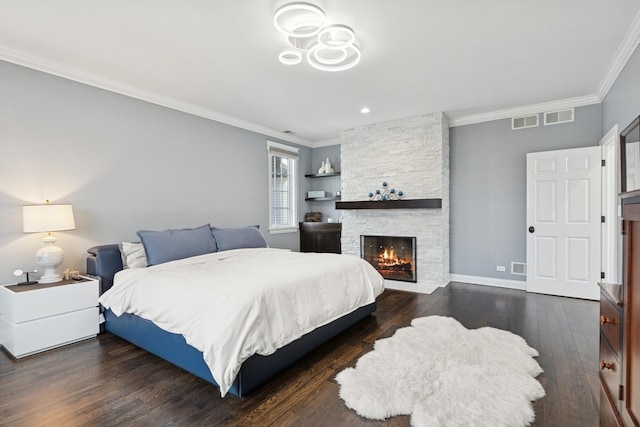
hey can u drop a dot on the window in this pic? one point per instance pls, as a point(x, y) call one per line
point(283, 161)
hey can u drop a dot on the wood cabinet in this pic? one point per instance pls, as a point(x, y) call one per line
point(631, 319)
point(320, 237)
point(610, 353)
point(620, 304)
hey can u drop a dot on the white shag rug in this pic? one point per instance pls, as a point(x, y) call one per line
point(442, 374)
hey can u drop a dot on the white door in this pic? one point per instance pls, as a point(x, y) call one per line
point(563, 221)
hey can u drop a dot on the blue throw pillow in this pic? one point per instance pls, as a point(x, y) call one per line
point(238, 238)
point(169, 245)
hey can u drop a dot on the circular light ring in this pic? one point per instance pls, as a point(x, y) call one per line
point(353, 58)
point(341, 57)
point(306, 15)
point(336, 36)
point(290, 57)
point(302, 43)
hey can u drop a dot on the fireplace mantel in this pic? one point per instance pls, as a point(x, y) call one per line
point(392, 204)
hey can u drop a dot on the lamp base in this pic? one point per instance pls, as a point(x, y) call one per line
point(49, 257)
point(50, 276)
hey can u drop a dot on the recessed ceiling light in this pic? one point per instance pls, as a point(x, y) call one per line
point(365, 110)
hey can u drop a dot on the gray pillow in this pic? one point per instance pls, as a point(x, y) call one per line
point(169, 245)
point(238, 238)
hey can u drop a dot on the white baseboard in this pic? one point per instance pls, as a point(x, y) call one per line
point(420, 288)
point(490, 281)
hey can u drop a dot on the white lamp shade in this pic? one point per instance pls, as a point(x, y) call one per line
point(45, 218)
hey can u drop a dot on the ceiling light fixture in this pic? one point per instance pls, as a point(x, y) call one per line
point(327, 48)
point(299, 19)
point(353, 57)
point(290, 56)
point(336, 36)
point(365, 110)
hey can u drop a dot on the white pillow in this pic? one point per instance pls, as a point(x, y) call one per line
point(133, 255)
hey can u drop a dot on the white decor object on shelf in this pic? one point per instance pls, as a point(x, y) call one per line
point(322, 168)
point(327, 166)
point(327, 47)
point(48, 218)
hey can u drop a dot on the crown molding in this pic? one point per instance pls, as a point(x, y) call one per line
point(623, 54)
point(68, 73)
point(628, 46)
point(326, 142)
point(526, 110)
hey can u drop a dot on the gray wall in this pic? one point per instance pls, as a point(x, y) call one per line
point(124, 164)
point(488, 187)
point(328, 184)
point(622, 103)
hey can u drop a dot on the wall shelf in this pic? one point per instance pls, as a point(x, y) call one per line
point(321, 199)
point(321, 175)
point(392, 204)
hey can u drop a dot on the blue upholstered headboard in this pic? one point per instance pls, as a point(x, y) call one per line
point(104, 261)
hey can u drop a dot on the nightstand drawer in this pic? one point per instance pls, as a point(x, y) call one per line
point(25, 305)
point(23, 339)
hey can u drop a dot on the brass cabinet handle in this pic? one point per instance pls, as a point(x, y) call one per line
point(607, 320)
point(604, 365)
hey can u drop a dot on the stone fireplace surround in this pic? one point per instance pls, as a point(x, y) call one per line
point(411, 155)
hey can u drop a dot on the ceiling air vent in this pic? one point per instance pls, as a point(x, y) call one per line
point(524, 122)
point(555, 117)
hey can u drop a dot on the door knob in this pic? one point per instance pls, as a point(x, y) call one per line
point(532, 229)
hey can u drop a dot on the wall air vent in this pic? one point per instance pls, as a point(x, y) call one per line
point(519, 268)
point(555, 117)
point(524, 122)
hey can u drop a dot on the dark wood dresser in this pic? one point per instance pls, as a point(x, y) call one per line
point(611, 303)
point(320, 237)
point(620, 303)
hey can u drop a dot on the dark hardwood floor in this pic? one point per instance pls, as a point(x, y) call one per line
point(109, 382)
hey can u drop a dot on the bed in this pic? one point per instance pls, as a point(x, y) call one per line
point(161, 339)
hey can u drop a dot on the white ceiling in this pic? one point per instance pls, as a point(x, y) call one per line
point(218, 58)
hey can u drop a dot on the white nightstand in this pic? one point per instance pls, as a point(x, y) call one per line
point(35, 318)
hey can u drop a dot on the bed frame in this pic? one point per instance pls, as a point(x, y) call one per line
point(105, 261)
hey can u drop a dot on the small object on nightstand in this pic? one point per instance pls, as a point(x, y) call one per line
point(72, 274)
point(19, 273)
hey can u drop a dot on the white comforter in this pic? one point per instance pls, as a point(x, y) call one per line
point(233, 304)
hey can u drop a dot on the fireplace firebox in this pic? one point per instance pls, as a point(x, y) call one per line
point(393, 256)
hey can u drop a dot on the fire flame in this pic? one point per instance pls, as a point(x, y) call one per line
point(389, 258)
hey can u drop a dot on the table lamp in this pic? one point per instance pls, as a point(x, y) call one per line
point(48, 218)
